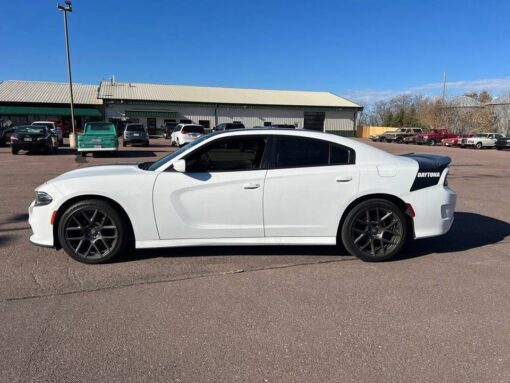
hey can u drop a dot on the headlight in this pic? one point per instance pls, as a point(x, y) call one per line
point(42, 138)
point(426, 137)
point(42, 198)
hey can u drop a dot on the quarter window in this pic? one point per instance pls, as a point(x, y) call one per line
point(305, 152)
point(228, 154)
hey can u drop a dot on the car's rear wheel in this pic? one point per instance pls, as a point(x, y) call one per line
point(479, 145)
point(14, 150)
point(432, 142)
point(375, 230)
point(92, 231)
point(399, 140)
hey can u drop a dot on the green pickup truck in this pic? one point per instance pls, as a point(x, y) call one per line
point(98, 137)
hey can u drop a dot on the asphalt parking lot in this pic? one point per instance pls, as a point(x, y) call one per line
point(439, 313)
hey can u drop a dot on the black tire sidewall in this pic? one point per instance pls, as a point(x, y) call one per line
point(119, 221)
point(349, 220)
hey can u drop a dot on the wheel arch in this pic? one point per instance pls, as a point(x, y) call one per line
point(75, 199)
point(389, 197)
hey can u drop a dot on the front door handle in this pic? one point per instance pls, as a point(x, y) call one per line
point(344, 179)
point(251, 185)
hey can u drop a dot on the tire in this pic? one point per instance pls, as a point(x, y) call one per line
point(146, 144)
point(399, 140)
point(83, 154)
point(362, 230)
point(479, 145)
point(432, 142)
point(124, 143)
point(14, 150)
point(93, 231)
point(498, 148)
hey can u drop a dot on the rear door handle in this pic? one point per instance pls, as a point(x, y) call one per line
point(344, 179)
point(251, 185)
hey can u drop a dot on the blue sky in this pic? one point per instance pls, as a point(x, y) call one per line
point(361, 49)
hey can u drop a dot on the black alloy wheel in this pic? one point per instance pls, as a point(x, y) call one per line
point(375, 230)
point(92, 231)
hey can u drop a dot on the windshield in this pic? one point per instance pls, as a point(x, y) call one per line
point(135, 128)
point(177, 153)
point(31, 129)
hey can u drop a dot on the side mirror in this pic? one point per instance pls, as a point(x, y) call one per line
point(180, 166)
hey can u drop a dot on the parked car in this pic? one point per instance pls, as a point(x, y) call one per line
point(33, 138)
point(229, 126)
point(5, 135)
point(369, 200)
point(435, 136)
point(482, 140)
point(186, 133)
point(379, 137)
point(169, 129)
point(135, 134)
point(455, 141)
point(53, 127)
point(409, 140)
point(503, 143)
point(401, 133)
point(98, 137)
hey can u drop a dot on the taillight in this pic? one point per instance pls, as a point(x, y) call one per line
point(410, 210)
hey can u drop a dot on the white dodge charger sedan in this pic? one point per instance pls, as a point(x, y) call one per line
point(249, 187)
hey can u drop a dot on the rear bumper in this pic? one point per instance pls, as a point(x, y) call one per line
point(136, 140)
point(434, 210)
point(110, 149)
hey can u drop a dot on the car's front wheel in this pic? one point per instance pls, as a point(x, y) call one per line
point(92, 231)
point(375, 230)
point(479, 145)
point(14, 150)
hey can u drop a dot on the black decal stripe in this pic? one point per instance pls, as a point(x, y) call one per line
point(428, 167)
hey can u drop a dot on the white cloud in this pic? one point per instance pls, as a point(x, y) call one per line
point(493, 85)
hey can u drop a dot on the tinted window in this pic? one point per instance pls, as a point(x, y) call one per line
point(228, 154)
point(234, 126)
point(193, 129)
point(304, 152)
point(47, 124)
point(135, 128)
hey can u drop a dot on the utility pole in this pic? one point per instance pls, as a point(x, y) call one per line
point(444, 86)
point(69, 8)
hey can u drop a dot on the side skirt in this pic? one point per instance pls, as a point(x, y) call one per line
point(236, 242)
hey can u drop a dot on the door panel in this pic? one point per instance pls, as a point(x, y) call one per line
point(209, 205)
point(307, 201)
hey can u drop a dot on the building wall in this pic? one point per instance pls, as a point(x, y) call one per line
point(336, 121)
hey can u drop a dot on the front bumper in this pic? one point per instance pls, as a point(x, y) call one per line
point(34, 145)
point(39, 218)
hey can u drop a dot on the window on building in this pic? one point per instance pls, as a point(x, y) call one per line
point(228, 154)
point(314, 120)
point(305, 152)
point(186, 121)
point(268, 123)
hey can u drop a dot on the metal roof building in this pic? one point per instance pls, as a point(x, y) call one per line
point(155, 104)
point(25, 101)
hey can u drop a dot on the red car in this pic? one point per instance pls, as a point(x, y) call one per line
point(434, 137)
point(454, 141)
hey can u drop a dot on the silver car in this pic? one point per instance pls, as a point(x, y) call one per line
point(135, 133)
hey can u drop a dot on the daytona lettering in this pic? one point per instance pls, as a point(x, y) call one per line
point(428, 174)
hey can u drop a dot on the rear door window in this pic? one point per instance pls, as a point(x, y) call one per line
point(292, 152)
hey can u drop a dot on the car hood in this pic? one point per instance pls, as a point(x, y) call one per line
point(111, 170)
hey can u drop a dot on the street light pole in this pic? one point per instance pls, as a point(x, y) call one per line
point(68, 8)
